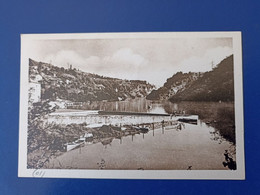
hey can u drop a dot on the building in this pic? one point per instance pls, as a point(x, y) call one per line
point(35, 88)
point(34, 92)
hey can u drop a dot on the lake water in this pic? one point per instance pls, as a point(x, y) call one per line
point(198, 147)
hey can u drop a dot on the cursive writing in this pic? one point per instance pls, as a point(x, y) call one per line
point(38, 173)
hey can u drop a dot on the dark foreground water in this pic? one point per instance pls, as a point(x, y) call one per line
point(199, 147)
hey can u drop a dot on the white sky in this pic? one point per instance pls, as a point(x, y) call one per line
point(153, 60)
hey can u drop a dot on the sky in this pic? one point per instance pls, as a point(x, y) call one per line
point(153, 60)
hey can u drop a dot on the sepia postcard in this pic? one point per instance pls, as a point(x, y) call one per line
point(160, 105)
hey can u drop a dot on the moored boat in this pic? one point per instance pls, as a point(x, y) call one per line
point(73, 145)
point(141, 129)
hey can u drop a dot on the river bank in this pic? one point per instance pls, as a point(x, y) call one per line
point(220, 115)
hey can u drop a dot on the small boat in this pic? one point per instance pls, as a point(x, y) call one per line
point(141, 129)
point(136, 127)
point(187, 120)
point(123, 128)
point(144, 130)
point(191, 119)
point(75, 144)
point(82, 138)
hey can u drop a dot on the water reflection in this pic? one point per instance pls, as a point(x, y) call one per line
point(166, 145)
point(219, 115)
point(180, 147)
point(107, 142)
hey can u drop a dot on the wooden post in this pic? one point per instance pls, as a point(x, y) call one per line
point(162, 129)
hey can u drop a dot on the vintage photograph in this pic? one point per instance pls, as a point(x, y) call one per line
point(141, 102)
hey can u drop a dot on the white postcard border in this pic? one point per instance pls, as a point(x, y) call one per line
point(238, 174)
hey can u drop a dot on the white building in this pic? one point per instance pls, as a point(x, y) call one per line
point(34, 92)
point(35, 88)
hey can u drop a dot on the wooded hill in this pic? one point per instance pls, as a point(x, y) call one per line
point(175, 84)
point(215, 85)
point(75, 85)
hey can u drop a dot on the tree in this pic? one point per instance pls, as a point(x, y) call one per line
point(36, 113)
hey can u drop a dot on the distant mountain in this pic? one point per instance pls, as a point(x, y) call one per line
point(215, 85)
point(75, 85)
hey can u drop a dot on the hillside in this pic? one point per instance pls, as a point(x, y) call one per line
point(174, 85)
point(78, 86)
point(215, 85)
